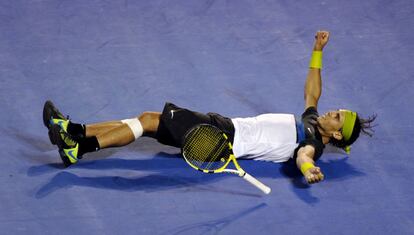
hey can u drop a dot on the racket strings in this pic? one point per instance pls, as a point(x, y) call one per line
point(206, 148)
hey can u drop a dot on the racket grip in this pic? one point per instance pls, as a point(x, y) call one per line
point(256, 183)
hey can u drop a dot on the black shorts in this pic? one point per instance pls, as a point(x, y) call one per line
point(175, 122)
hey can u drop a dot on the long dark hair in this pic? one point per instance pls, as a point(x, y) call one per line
point(361, 125)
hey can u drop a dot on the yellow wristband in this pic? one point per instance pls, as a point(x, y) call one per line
point(316, 60)
point(306, 166)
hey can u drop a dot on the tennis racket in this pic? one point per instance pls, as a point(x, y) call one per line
point(206, 148)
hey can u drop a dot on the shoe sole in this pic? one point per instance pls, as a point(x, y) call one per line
point(52, 140)
point(48, 109)
point(54, 135)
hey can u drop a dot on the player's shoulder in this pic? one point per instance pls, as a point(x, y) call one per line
point(311, 113)
point(310, 109)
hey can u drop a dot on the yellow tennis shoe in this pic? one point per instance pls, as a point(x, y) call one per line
point(68, 147)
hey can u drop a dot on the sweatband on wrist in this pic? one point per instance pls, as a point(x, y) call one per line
point(135, 125)
point(316, 60)
point(306, 166)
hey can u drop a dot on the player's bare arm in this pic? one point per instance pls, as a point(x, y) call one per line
point(313, 85)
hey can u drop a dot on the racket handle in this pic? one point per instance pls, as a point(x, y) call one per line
point(256, 183)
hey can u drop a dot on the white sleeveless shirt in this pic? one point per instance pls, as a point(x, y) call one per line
point(267, 137)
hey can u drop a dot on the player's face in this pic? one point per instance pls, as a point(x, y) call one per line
point(331, 121)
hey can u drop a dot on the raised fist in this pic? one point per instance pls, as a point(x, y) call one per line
point(321, 39)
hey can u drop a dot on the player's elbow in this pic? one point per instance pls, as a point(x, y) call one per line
point(305, 154)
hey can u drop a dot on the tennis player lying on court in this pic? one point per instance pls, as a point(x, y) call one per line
point(268, 137)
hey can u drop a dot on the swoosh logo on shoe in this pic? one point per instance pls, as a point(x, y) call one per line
point(60, 123)
point(70, 153)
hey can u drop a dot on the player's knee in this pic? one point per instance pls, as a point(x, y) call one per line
point(147, 116)
point(149, 121)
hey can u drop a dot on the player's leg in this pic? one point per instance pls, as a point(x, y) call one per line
point(100, 128)
point(75, 139)
point(126, 131)
point(51, 115)
point(130, 129)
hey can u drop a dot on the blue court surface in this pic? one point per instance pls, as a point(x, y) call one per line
point(108, 60)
